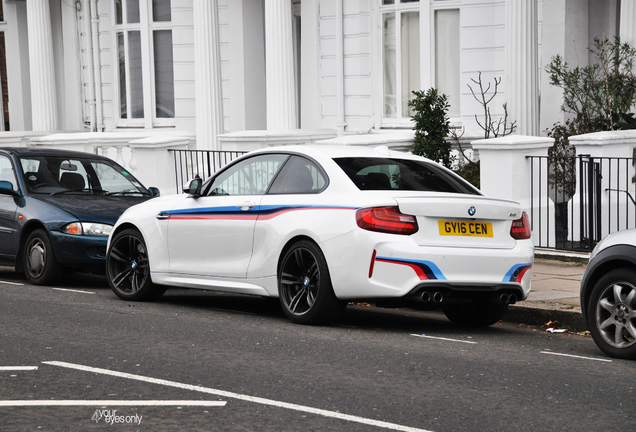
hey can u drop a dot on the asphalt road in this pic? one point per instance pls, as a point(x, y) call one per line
point(80, 359)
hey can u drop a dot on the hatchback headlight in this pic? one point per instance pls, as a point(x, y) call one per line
point(88, 228)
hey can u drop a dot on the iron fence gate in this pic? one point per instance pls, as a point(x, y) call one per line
point(576, 201)
point(204, 163)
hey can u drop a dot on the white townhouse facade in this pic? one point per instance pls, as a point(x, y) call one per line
point(238, 74)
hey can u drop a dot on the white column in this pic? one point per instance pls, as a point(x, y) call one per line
point(41, 66)
point(522, 73)
point(207, 66)
point(628, 22)
point(279, 66)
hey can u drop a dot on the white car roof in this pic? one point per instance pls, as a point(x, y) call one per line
point(337, 151)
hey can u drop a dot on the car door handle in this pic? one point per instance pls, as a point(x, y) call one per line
point(163, 215)
point(246, 205)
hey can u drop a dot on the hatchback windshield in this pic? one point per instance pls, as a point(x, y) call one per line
point(402, 174)
point(59, 175)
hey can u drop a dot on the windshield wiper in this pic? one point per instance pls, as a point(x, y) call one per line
point(128, 192)
point(69, 191)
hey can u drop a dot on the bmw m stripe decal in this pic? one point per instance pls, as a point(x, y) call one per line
point(516, 273)
point(425, 270)
point(234, 213)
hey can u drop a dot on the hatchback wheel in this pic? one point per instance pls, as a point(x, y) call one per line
point(475, 314)
point(127, 268)
point(304, 286)
point(611, 313)
point(40, 265)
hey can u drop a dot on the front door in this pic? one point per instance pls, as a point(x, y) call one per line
point(8, 224)
point(212, 235)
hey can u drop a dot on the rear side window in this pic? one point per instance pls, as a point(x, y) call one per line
point(402, 174)
point(299, 176)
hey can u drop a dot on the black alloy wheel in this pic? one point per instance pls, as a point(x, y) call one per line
point(128, 270)
point(304, 286)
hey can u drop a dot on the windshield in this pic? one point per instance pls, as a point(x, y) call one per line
point(402, 174)
point(60, 175)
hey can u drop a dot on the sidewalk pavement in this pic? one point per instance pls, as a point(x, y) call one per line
point(556, 282)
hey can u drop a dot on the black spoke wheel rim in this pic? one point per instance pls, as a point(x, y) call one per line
point(128, 264)
point(615, 315)
point(300, 281)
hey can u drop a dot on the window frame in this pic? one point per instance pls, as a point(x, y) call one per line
point(146, 26)
point(428, 59)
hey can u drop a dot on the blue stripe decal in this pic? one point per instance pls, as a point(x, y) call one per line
point(512, 274)
point(259, 209)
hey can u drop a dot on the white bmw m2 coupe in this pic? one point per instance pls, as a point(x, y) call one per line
point(320, 226)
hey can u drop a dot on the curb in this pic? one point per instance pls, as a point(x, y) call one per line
point(571, 319)
point(564, 256)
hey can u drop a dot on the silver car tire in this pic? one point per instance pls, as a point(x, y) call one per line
point(39, 262)
point(611, 313)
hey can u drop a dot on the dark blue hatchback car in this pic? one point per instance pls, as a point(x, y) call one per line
point(58, 207)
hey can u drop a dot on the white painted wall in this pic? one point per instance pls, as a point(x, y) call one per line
point(17, 47)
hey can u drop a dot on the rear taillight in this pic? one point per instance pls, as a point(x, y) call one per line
point(520, 229)
point(386, 220)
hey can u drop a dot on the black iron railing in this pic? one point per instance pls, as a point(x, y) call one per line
point(576, 201)
point(204, 163)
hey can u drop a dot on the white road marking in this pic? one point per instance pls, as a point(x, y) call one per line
point(575, 356)
point(18, 368)
point(9, 403)
point(258, 400)
point(72, 290)
point(444, 339)
point(10, 283)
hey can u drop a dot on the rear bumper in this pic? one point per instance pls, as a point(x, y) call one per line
point(400, 268)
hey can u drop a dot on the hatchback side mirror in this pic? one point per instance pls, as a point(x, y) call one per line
point(6, 188)
point(194, 188)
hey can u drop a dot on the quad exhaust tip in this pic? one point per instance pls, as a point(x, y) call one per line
point(436, 297)
point(508, 299)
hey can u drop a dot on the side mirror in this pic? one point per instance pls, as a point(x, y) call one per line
point(6, 188)
point(194, 188)
point(154, 191)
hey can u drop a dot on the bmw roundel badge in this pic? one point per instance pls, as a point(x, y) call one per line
point(472, 211)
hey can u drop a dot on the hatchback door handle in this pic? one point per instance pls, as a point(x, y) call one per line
point(246, 205)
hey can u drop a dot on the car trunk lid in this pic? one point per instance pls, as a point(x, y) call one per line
point(456, 220)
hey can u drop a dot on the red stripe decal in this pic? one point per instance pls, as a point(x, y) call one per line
point(420, 273)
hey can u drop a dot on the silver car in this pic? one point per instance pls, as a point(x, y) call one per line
point(608, 294)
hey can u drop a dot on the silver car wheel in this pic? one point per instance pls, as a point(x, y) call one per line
point(616, 315)
point(36, 257)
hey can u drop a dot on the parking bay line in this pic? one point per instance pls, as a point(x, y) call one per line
point(47, 402)
point(18, 368)
point(253, 399)
point(575, 356)
point(443, 338)
point(11, 283)
point(73, 290)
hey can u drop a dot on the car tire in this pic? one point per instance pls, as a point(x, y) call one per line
point(611, 313)
point(39, 261)
point(304, 286)
point(128, 269)
point(475, 314)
